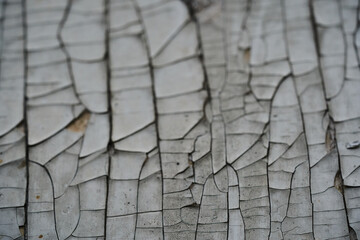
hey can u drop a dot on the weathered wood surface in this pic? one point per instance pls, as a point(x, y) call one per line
point(169, 119)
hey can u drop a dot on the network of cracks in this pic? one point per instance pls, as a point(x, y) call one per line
point(169, 119)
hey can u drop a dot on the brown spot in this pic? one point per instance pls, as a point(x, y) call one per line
point(37, 197)
point(79, 124)
point(1, 161)
point(247, 55)
point(190, 163)
point(338, 183)
point(40, 236)
point(329, 143)
point(22, 164)
point(21, 129)
point(22, 230)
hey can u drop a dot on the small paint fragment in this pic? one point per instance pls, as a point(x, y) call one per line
point(338, 183)
point(353, 144)
point(329, 143)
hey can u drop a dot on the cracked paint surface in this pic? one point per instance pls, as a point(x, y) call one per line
point(170, 119)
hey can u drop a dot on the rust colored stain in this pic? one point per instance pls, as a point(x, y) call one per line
point(79, 125)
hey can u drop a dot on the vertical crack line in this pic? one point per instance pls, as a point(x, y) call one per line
point(110, 146)
point(331, 120)
point(357, 29)
point(238, 186)
point(228, 207)
point(68, 61)
point(54, 199)
point(297, 92)
point(63, 46)
point(269, 142)
point(208, 99)
point(201, 198)
point(267, 165)
point(2, 19)
point(201, 54)
point(266, 128)
point(288, 202)
point(206, 84)
point(244, 27)
point(308, 156)
point(151, 69)
point(226, 57)
point(25, 59)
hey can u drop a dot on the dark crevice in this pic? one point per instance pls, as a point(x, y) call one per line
point(199, 5)
point(78, 220)
point(110, 147)
point(24, 25)
point(266, 128)
point(156, 114)
point(238, 186)
point(65, 50)
point(194, 7)
point(207, 101)
point(352, 234)
point(52, 193)
point(357, 30)
point(268, 149)
point(60, 26)
point(331, 120)
point(307, 154)
point(201, 198)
